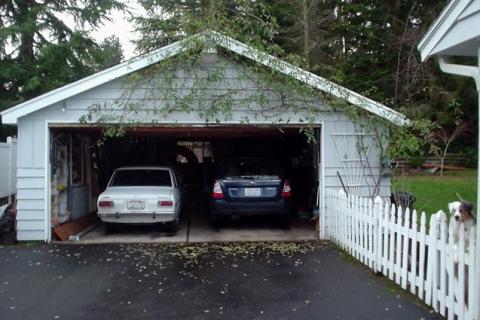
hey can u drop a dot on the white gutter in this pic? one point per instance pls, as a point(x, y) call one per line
point(473, 72)
point(461, 70)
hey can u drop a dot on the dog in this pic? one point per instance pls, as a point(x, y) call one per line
point(461, 212)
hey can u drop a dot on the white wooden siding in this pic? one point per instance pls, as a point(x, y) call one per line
point(33, 202)
point(31, 194)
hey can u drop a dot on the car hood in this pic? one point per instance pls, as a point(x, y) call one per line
point(137, 192)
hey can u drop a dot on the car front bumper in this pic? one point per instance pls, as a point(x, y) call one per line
point(137, 218)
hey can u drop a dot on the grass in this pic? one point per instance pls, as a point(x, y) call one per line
point(433, 192)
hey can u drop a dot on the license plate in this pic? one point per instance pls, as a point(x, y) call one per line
point(253, 192)
point(135, 205)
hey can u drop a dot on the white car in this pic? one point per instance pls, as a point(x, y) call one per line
point(141, 195)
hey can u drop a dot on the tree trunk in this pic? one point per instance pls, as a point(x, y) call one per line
point(306, 34)
point(27, 20)
point(442, 161)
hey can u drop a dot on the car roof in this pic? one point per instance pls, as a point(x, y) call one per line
point(251, 159)
point(144, 168)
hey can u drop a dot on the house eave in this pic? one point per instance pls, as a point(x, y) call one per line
point(440, 27)
point(11, 116)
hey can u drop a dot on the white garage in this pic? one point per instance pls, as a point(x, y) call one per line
point(62, 167)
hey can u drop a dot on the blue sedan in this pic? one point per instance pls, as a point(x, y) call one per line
point(251, 187)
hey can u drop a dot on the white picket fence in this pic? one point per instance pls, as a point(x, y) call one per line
point(8, 167)
point(431, 265)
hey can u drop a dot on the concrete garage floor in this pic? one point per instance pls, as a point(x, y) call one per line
point(244, 281)
point(195, 228)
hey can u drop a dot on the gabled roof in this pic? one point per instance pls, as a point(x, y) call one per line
point(10, 116)
point(456, 31)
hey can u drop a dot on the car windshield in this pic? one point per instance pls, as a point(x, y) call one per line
point(253, 169)
point(141, 177)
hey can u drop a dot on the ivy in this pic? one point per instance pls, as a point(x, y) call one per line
point(182, 85)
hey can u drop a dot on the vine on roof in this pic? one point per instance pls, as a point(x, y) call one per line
point(194, 84)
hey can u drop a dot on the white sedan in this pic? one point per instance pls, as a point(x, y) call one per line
point(141, 195)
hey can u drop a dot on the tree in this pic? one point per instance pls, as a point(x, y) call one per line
point(446, 137)
point(369, 47)
point(372, 49)
point(110, 52)
point(249, 21)
point(303, 29)
point(40, 50)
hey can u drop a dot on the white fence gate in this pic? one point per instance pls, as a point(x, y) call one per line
point(8, 168)
point(389, 240)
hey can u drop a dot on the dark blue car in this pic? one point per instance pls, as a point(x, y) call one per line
point(251, 187)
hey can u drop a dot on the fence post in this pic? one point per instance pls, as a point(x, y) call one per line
point(10, 167)
point(378, 233)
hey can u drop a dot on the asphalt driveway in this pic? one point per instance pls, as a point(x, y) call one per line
point(306, 280)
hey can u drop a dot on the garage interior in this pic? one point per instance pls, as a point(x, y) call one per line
point(81, 167)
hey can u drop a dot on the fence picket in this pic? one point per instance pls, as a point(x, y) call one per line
point(405, 248)
point(391, 234)
point(450, 276)
point(398, 244)
point(376, 233)
point(8, 168)
point(422, 261)
point(383, 222)
point(352, 225)
point(443, 251)
point(458, 294)
point(413, 261)
point(389, 241)
point(364, 233)
point(471, 267)
point(372, 227)
point(355, 212)
point(432, 257)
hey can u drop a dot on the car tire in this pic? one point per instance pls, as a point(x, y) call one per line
point(215, 222)
point(174, 225)
point(110, 227)
point(285, 222)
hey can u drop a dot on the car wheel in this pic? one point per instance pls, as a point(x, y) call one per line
point(215, 221)
point(285, 222)
point(174, 225)
point(110, 227)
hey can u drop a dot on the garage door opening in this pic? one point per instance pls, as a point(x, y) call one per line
point(81, 169)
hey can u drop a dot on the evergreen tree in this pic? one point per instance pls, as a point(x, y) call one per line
point(40, 50)
point(303, 26)
point(110, 52)
point(249, 21)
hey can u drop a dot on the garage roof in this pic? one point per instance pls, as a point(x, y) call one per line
point(454, 32)
point(10, 116)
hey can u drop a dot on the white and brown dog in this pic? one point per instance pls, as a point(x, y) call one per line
point(461, 213)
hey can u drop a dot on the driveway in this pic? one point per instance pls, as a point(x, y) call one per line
point(275, 280)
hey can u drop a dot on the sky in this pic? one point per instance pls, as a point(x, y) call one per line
point(119, 26)
point(122, 28)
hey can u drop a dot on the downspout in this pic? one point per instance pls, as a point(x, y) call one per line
point(473, 72)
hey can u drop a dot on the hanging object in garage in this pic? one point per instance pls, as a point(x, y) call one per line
point(70, 178)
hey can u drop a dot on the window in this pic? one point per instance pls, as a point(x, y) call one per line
point(141, 177)
point(253, 168)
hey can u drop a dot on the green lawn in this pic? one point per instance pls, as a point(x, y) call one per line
point(433, 192)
